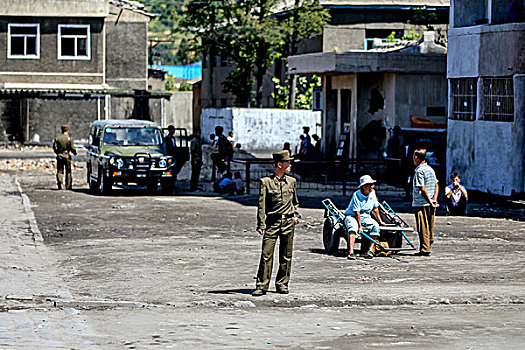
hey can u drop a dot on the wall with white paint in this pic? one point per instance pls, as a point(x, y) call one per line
point(261, 128)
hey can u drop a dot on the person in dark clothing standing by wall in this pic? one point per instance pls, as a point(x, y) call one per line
point(225, 151)
point(63, 146)
point(317, 147)
point(196, 159)
point(306, 144)
point(170, 141)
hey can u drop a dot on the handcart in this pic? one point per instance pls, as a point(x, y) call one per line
point(391, 235)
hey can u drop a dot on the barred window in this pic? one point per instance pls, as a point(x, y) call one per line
point(498, 100)
point(464, 98)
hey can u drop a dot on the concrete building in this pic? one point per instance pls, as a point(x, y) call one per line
point(72, 62)
point(367, 92)
point(486, 74)
point(355, 24)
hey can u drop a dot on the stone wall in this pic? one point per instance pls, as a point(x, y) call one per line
point(10, 128)
point(46, 117)
point(179, 110)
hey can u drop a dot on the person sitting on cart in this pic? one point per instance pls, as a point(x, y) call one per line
point(357, 215)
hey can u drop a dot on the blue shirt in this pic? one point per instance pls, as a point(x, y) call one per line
point(225, 182)
point(363, 204)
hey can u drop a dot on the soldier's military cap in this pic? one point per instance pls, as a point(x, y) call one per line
point(64, 128)
point(282, 156)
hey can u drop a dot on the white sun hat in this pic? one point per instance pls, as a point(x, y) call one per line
point(365, 180)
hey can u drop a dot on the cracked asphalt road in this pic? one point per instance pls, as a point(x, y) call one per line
point(192, 260)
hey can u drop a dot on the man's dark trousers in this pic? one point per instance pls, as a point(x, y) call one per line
point(195, 174)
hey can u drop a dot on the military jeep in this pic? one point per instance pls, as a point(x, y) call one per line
point(129, 152)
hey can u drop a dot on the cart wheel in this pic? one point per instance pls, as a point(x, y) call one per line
point(398, 242)
point(330, 235)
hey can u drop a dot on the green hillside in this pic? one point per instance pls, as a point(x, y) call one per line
point(169, 45)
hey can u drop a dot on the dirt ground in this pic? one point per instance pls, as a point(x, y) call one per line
point(190, 261)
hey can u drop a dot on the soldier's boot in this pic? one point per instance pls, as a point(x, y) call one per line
point(59, 186)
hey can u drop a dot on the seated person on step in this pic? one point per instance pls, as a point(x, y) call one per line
point(357, 215)
point(456, 196)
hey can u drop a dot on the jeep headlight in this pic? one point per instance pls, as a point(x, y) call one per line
point(120, 162)
point(170, 160)
point(163, 163)
point(111, 160)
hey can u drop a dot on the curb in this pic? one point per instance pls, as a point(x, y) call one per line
point(88, 304)
point(33, 226)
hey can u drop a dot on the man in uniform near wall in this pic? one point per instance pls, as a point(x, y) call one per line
point(221, 160)
point(276, 218)
point(170, 141)
point(172, 150)
point(425, 191)
point(63, 145)
point(196, 159)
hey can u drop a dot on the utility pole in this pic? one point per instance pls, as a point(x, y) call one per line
point(292, 80)
point(211, 56)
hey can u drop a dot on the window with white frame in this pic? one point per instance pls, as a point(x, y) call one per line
point(498, 99)
point(73, 41)
point(23, 40)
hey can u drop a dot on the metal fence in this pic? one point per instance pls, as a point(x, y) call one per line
point(317, 174)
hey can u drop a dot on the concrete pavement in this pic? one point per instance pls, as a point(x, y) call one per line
point(29, 283)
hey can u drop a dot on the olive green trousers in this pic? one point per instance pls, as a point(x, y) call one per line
point(64, 165)
point(284, 231)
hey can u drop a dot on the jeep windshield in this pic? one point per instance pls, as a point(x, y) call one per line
point(132, 136)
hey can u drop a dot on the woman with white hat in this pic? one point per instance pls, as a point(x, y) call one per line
point(357, 215)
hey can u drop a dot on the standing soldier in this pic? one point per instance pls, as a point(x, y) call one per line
point(196, 159)
point(276, 218)
point(62, 146)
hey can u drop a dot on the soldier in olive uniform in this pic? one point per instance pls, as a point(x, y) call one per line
point(63, 145)
point(276, 218)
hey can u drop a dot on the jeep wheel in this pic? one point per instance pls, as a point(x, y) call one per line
point(104, 183)
point(93, 185)
point(167, 187)
point(152, 187)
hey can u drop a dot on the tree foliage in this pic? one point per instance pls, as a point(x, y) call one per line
point(304, 96)
point(175, 48)
point(251, 34)
point(304, 19)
